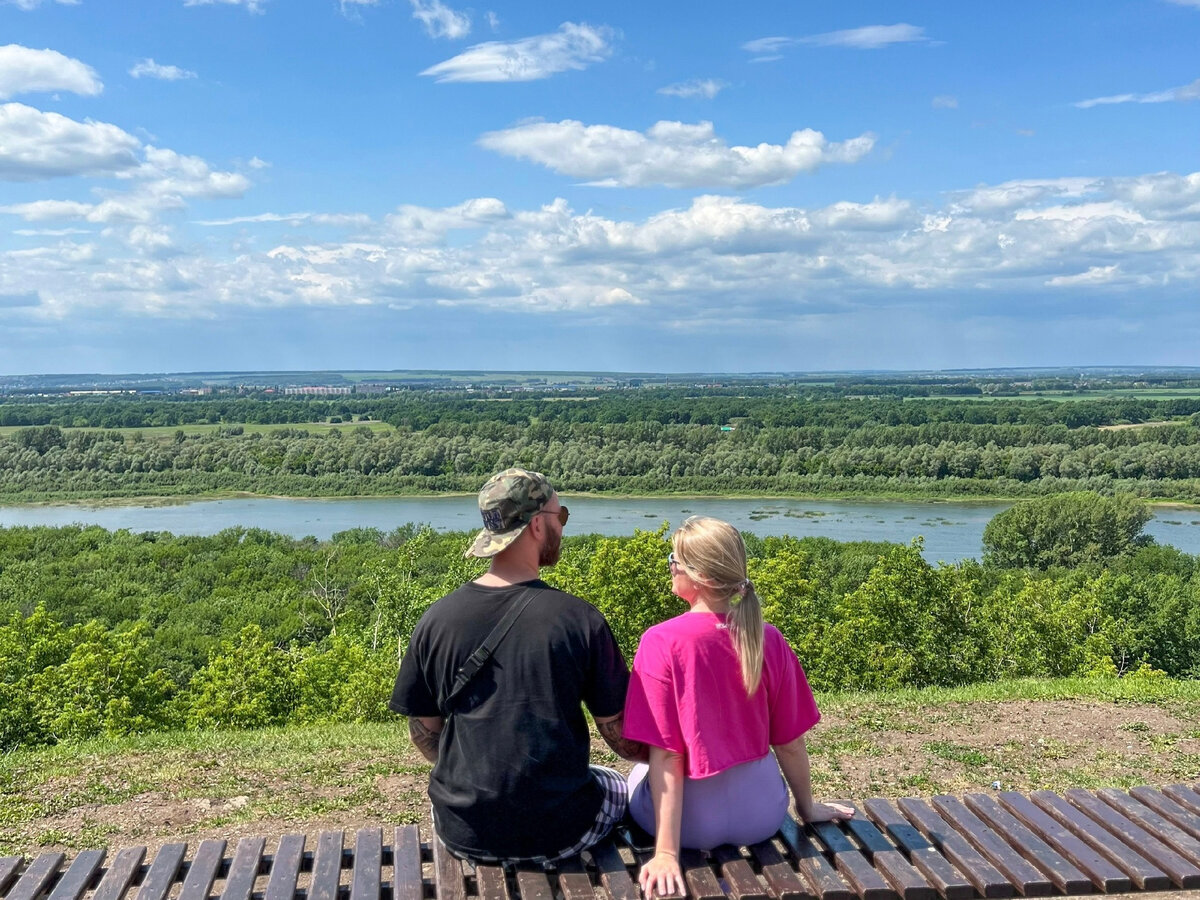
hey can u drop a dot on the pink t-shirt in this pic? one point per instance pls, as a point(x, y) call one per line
point(686, 695)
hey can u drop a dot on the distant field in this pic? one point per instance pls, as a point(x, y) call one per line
point(167, 432)
point(1114, 394)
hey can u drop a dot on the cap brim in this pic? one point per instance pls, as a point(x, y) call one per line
point(489, 543)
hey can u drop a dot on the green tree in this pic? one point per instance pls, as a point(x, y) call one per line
point(246, 684)
point(1066, 530)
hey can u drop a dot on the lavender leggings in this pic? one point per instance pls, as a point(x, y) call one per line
point(742, 805)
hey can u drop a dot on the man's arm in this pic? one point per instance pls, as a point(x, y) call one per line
point(425, 732)
point(611, 729)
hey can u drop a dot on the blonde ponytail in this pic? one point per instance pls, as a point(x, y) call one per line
point(746, 629)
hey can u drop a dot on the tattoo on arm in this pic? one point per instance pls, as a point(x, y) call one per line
point(424, 739)
point(612, 732)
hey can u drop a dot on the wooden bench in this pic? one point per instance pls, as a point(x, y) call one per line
point(987, 845)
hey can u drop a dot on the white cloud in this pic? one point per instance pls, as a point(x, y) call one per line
point(441, 21)
point(529, 59)
point(357, 220)
point(1194, 3)
point(254, 6)
point(493, 21)
point(945, 101)
point(869, 37)
point(1180, 94)
point(36, 145)
point(769, 46)
point(24, 70)
point(148, 68)
point(697, 87)
point(1094, 275)
point(674, 154)
point(34, 4)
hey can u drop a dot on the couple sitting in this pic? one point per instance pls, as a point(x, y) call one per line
point(496, 674)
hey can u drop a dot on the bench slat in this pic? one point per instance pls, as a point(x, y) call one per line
point(37, 877)
point(368, 864)
point(243, 871)
point(1144, 874)
point(1028, 881)
point(1184, 796)
point(162, 872)
point(907, 881)
point(79, 876)
point(857, 870)
point(406, 853)
point(1066, 876)
point(285, 868)
point(938, 871)
point(117, 880)
point(492, 883)
point(743, 883)
point(447, 873)
point(613, 874)
point(702, 883)
point(1166, 831)
point(781, 879)
point(198, 882)
point(573, 880)
point(533, 883)
point(9, 865)
point(1103, 874)
point(942, 833)
point(1165, 806)
point(1182, 871)
point(811, 863)
point(327, 866)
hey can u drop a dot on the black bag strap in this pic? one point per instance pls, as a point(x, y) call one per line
point(479, 658)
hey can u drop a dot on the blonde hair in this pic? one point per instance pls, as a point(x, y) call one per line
point(714, 553)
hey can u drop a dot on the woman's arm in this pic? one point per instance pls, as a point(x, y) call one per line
point(793, 760)
point(662, 874)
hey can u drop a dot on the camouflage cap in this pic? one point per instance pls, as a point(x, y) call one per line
point(508, 502)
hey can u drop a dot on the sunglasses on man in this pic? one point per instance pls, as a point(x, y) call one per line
point(562, 512)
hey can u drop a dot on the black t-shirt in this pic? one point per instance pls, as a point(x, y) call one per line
point(512, 776)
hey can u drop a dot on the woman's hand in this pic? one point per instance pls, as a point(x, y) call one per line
point(661, 876)
point(823, 812)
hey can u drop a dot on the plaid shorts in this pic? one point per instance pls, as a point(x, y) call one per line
point(612, 810)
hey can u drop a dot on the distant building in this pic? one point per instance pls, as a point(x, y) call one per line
point(318, 390)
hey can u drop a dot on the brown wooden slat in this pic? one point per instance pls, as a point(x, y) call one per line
point(989, 881)
point(327, 866)
point(781, 879)
point(285, 868)
point(1028, 881)
point(243, 871)
point(573, 880)
point(1144, 874)
point(613, 874)
point(162, 872)
point(1065, 875)
point(1184, 796)
point(743, 883)
point(908, 882)
point(447, 873)
point(37, 877)
point(1183, 872)
point(120, 874)
point(9, 866)
point(406, 858)
point(78, 877)
point(641, 845)
point(368, 864)
point(855, 867)
point(699, 877)
point(1166, 831)
point(492, 883)
point(1089, 860)
point(198, 882)
point(533, 884)
point(1165, 806)
point(811, 863)
point(938, 871)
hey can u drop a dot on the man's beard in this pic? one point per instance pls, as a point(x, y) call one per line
point(551, 547)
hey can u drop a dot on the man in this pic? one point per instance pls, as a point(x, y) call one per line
point(511, 780)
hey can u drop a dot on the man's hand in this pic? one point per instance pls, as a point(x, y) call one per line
point(611, 729)
point(426, 732)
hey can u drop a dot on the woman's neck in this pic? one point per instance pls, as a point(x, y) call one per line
point(711, 604)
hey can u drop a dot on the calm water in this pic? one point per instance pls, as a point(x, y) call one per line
point(952, 531)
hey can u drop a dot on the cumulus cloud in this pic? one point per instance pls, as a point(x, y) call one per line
point(148, 68)
point(572, 46)
point(24, 70)
point(441, 21)
point(35, 145)
point(254, 6)
point(674, 154)
point(697, 87)
point(1180, 94)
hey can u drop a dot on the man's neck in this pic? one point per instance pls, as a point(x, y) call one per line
point(502, 573)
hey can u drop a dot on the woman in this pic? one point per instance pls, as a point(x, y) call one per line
point(712, 692)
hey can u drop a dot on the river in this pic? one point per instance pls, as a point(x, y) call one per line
point(952, 531)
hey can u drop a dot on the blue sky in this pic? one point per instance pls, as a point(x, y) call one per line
point(248, 184)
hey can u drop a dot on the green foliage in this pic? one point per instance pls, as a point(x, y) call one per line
point(1068, 530)
point(344, 683)
point(246, 684)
